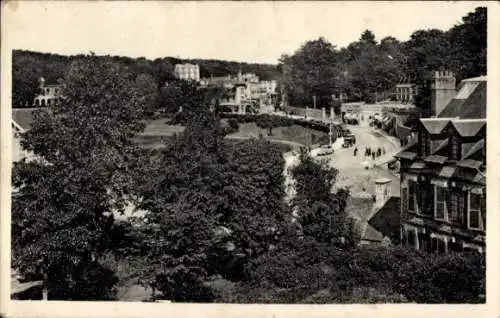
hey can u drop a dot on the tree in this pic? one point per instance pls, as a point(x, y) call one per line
point(61, 215)
point(468, 40)
point(321, 213)
point(148, 89)
point(213, 206)
point(452, 278)
point(26, 72)
point(313, 71)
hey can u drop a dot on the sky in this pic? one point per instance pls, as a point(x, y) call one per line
point(257, 32)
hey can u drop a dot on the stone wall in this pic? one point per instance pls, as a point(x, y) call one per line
point(319, 114)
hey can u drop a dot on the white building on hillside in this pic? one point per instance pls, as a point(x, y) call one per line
point(48, 94)
point(187, 72)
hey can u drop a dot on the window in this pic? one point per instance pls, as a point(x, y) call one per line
point(411, 238)
point(412, 196)
point(425, 199)
point(441, 208)
point(475, 221)
point(424, 241)
point(437, 245)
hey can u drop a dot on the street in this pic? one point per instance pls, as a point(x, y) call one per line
point(352, 172)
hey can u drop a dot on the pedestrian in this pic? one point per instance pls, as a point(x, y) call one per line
point(383, 150)
point(373, 155)
point(355, 151)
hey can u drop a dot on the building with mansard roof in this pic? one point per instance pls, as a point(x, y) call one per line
point(443, 174)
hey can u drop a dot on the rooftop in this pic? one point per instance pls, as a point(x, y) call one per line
point(469, 103)
point(23, 116)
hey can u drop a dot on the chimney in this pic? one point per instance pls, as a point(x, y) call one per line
point(382, 192)
point(443, 91)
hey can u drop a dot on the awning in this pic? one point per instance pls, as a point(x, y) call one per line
point(406, 155)
point(443, 237)
point(447, 172)
point(417, 165)
point(469, 163)
point(412, 177)
point(477, 190)
point(473, 246)
point(436, 159)
point(409, 227)
point(440, 183)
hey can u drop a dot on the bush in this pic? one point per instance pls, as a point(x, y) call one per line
point(90, 281)
point(233, 123)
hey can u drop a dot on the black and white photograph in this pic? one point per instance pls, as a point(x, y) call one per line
point(247, 152)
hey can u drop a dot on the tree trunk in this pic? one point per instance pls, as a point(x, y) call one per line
point(45, 289)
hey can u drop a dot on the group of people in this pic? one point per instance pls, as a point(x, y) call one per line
point(371, 153)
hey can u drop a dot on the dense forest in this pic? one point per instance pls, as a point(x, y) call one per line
point(29, 66)
point(366, 68)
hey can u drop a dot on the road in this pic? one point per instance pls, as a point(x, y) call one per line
point(352, 173)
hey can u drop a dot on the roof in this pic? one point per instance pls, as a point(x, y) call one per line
point(436, 143)
point(436, 159)
point(386, 220)
point(405, 85)
point(447, 171)
point(373, 222)
point(434, 125)
point(475, 148)
point(382, 180)
point(417, 165)
point(468, 128)
point(406, 155)
point(466, 147)
point(482, 78)
point(473, 106)
point(23, 116)
point(469, 163)
point(441, 146)
point(408, 151)
point(368, 233)
point(359, 208)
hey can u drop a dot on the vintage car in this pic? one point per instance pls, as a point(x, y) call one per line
point(326, 152)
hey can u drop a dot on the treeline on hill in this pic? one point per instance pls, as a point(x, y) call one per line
point(29, 66)
point(366, 69)
point(216, 226)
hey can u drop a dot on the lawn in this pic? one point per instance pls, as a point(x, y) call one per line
point(157, 131)
point(293, 133)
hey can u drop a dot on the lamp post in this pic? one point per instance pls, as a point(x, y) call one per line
point(330, 133)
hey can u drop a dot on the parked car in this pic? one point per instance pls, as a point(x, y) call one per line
point(327, 152)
